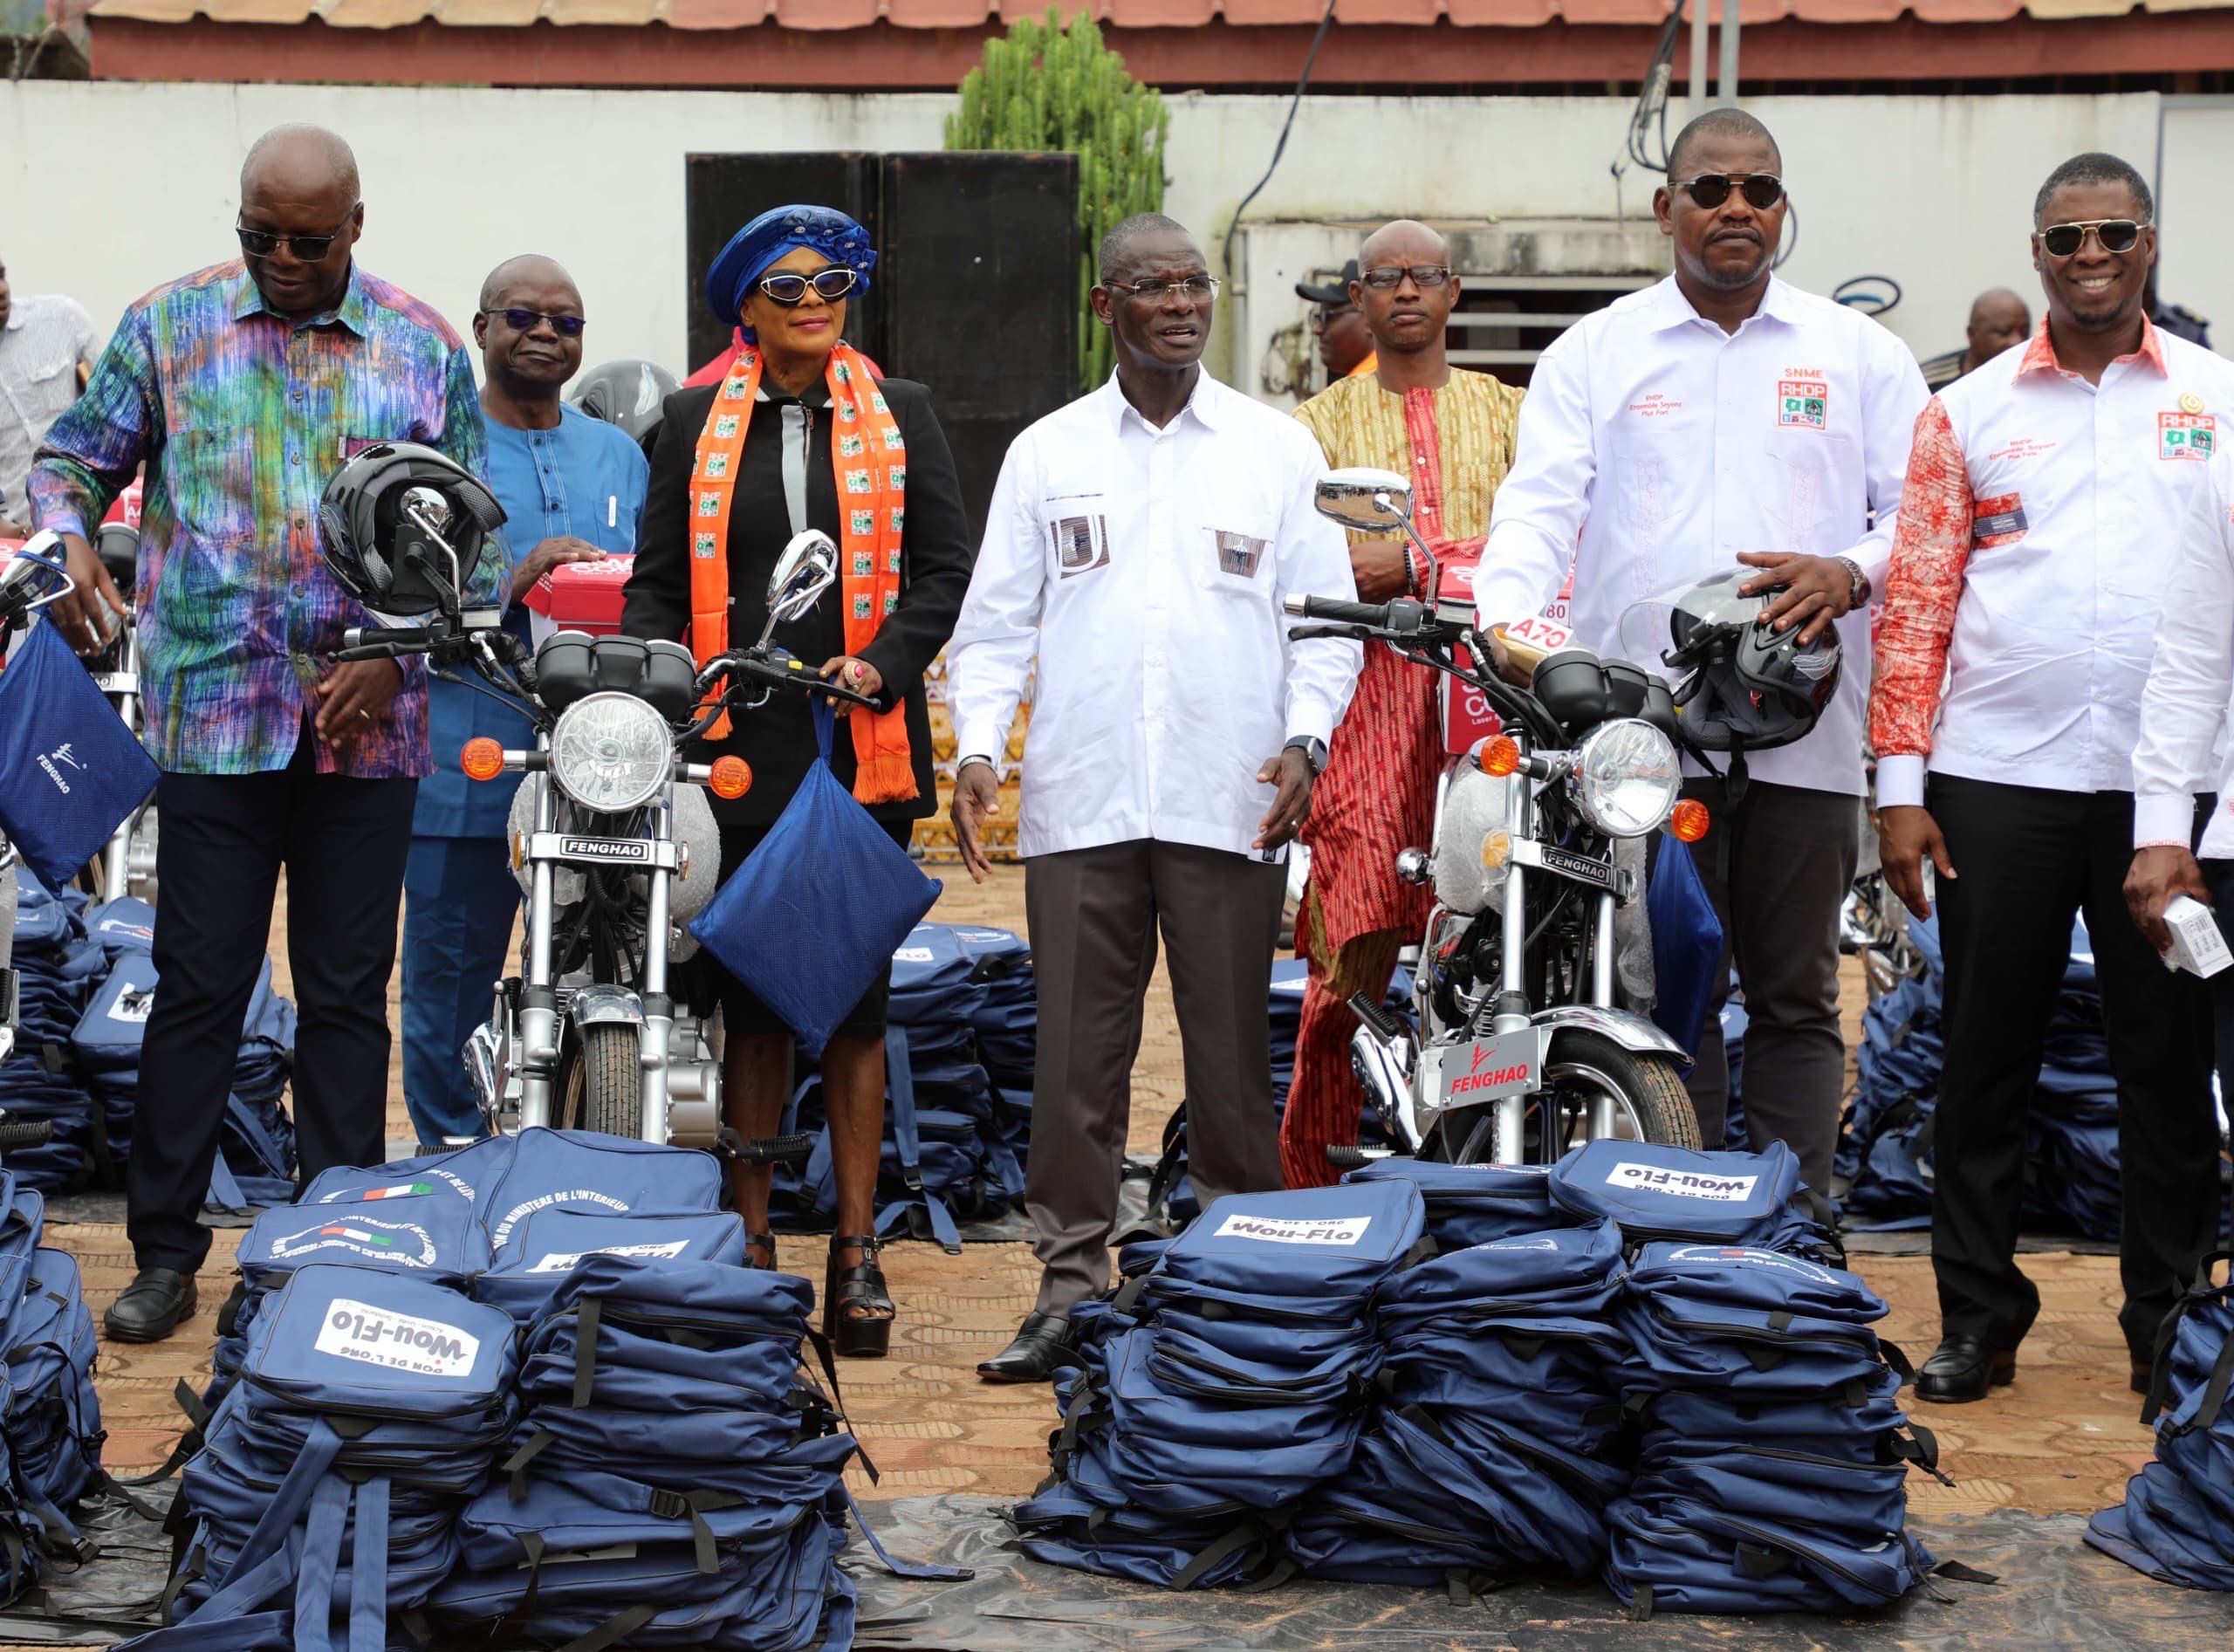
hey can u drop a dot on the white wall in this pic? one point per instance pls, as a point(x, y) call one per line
point(107, 188)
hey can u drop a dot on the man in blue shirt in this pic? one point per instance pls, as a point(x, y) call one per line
point(571, 487)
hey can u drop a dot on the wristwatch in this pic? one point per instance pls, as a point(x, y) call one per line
point(976, 757)
point(1313, 750)
point(1859, 592)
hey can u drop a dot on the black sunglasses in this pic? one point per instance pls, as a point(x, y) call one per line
point(1392, 276)
point(525, 320)
point(262, 243)
point(1761, 189)
point(2116, 235)
point(788, 287)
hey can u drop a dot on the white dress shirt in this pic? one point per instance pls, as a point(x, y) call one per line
point(2036, 538)
point(2184, 709)
point(1654, 449)
point(1145, 568)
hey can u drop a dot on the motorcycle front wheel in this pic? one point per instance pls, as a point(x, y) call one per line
point(604, 1087)
point(1650, 1101)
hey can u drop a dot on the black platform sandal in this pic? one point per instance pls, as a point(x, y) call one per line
point(765, 1243)
point(866, 1334)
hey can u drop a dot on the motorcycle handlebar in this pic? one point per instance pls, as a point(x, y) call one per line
point(384, 641)
point(1370, 613)
point(787, 674)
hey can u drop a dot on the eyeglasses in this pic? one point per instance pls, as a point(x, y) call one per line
point(788, 287)
point(2116, 235)
point(1392, 276)
point(1761, 189)
point(525, 320)
point(262, 243)
point(1194, 287)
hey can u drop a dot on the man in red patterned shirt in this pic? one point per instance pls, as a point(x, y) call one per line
point(1452, 434)
point(2028, 571)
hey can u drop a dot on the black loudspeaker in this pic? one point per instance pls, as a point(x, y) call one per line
point(722, 193)
point(978, 279)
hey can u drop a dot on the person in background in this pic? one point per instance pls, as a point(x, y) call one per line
point(1999, 320)
point(244, 388)
point(47, 347)
point(1722, 417)
point(2036, 543)
point(1345, 342)
point(799, 436)
point(1452, 432)
point(1141, 542)
point(571, 487)
point(2182, 719)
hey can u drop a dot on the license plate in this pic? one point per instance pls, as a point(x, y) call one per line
point(1459, 1075)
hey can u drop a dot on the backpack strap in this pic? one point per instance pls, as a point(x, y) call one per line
point(900, 1087)
point(921, 1570)
point(2214, 1390)
point(368, 1569)
point(320, 1560)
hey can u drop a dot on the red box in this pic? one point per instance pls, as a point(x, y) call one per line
point(581, 596)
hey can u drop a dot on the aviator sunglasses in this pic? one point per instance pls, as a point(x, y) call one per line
point(1761, 189)
point(2064, 240)
point(788, 287)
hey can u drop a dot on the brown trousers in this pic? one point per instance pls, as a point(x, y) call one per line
point(1094, 914)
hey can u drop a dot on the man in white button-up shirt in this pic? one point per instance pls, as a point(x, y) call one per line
point(1140, 545)
point(1723, 417)
point(2043, 502)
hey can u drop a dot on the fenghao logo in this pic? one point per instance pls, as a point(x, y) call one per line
point(404, 1245)
point(1483, 1076)
point(1276, 1230)
point(1682, 1184)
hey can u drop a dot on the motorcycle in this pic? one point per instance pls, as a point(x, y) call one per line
point(616, 849)
point(1522, 1049)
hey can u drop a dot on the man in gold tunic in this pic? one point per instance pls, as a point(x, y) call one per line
point(1452, 432)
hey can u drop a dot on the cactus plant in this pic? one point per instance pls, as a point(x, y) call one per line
point(1048, 87)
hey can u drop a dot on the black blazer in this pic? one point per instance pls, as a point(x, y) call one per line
point(777, 740)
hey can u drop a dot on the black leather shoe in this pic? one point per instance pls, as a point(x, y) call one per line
point(1041, 1348)
point(1962, 1368)
point(150, 1307)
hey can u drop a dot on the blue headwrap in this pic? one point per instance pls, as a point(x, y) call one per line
point(768, 238)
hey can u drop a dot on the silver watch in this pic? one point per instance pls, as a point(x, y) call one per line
point(1858, 592)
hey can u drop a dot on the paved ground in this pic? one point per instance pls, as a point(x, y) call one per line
point(2062, 1440)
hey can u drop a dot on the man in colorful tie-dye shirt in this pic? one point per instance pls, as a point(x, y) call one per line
point(244, 387)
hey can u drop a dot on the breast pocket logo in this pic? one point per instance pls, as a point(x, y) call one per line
point(1081, 544)
point(1240, 553)
point(1801, 403)
point(2186, 435)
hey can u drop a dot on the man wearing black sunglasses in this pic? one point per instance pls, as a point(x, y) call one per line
point(1344, 343)
point(572, 487)
point(1723, 417)
point(2037, 539)
point(244, 388)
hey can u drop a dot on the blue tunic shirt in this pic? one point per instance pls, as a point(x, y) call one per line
point(584, 480)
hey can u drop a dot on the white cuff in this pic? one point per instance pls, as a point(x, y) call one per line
point(1310, 722)
point(1900, 781)
point(978, 737)
point(2163, 820)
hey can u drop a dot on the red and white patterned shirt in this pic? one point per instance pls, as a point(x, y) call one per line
point(2035, 538)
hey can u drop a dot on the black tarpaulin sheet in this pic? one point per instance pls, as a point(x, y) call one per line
point(2054, 1593)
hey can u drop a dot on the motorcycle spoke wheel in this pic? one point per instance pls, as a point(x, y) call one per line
point(1650, 1102)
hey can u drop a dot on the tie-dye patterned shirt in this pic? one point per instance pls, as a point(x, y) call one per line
point(241, 418)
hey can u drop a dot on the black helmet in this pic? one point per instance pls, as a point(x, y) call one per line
point(627, 393)
point(390, 556)
point(1744, 686)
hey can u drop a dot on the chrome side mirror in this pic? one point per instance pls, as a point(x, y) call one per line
point(1366, 500)
point(807, 568)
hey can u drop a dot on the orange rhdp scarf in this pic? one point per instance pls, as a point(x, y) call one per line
point(872, 464)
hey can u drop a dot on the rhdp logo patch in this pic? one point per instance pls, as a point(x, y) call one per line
point(2186, 435)
point(1801, 403)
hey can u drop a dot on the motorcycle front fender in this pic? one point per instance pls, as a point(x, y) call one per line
point(604, 1005)
point(1631, 1032)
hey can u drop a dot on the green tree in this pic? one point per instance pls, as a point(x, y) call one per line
point(1048, 87)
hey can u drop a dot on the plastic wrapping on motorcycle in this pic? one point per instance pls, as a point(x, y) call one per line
point(1686, 945)
point(69, 771)
point(691, 825)
point(814, 914)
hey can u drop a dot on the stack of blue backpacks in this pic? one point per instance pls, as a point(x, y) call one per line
point(1227, 1377)
point(1496, 1441)
point(1772, 1465)
point(959, 1048)
point(2176, 1522)
point(58, 968)
point(49, 1416)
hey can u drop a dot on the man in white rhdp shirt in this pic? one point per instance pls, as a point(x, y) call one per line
point(1718, 418)
point(1140, 543)
point(2045, 496)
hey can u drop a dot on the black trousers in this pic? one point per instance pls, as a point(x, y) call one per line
point(2027, 859)
point(343, 843)
point(1777, 867)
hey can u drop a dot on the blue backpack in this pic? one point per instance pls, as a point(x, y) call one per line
point(580, 1171)
point(2176, 1522)
point(52, 1417)
point(1654, 1192)
point(1675, 1554)
point(464, 1172)
point(1473, 1204)
point(553, 1242)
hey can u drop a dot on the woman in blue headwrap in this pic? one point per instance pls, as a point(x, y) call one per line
point(800, 435)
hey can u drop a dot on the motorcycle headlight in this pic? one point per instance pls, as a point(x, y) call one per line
point(611, 752)
point(1626, 778)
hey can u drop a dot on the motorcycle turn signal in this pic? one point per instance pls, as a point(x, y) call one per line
point(1688, 821)
point(732, 777)
point(481, 759)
